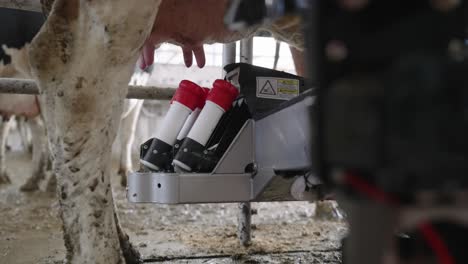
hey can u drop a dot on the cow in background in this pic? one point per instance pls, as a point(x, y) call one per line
point(17, 29)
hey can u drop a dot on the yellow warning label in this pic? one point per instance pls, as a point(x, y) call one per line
point(288, 82)
point(287, 91)
point(277, 88)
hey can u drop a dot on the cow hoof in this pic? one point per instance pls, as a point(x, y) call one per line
point(4, 178)
point(30, 186)
point(123, 177)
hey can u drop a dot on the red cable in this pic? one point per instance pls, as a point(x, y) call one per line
point(368, 189)
point(429, 233)
point(436, 243)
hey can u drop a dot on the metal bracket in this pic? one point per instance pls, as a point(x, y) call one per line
point(188, 188)
point(278, 143)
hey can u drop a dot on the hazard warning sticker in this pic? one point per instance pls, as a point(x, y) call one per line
point(277, 88)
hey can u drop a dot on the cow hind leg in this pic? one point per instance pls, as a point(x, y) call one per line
point(127, 134)
point(39, 142)
point(51, 186)
point(82, 60)
point(5, 124)
point(23, 129)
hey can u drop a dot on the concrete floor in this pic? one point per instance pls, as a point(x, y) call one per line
point(30, 230)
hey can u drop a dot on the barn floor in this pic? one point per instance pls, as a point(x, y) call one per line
point(30, 229)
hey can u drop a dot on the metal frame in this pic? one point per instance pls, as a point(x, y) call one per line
point(227, 183)
point(244, 217)
point(27, 5)
point(23, 86)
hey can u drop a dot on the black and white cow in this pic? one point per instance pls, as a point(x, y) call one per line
point(17, 28)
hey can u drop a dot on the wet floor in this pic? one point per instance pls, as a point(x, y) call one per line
point(30, 230)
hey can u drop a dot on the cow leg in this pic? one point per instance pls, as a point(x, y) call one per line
point(23, 127)
point(5, 124)
point(127, 135)
point(51, 186)
point(82, 60)
point(8, 148)
point(39, 160)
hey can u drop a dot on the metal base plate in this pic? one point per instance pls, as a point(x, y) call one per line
point(173, 188)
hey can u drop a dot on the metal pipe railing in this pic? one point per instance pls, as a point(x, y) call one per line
point(22, 86)
point(229, 53)
point(245, 210)
point(28, 5)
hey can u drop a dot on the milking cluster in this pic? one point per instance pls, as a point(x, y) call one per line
point(189, 123)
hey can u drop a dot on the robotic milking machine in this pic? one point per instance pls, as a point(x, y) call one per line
point(381, 120)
